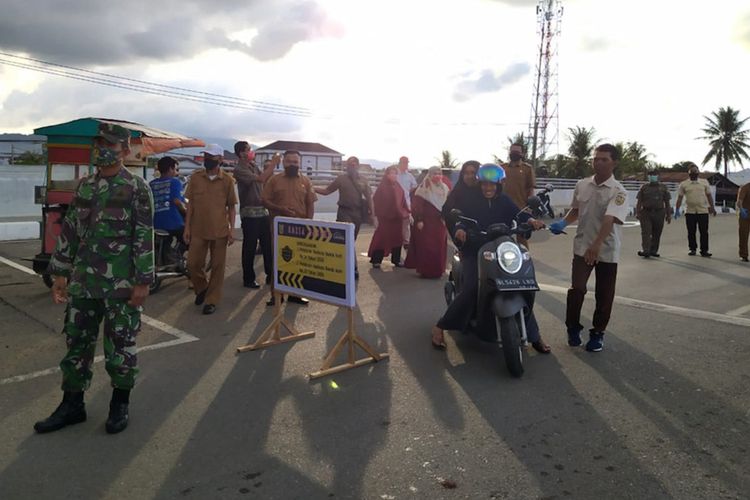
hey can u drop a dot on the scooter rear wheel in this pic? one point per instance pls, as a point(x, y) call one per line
point(510, 335)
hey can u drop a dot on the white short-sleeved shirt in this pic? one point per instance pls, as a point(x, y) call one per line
point(695, 195)
point(595, 201)
point(408, 183)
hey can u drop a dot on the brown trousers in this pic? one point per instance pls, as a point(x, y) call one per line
point(606, 278)
point(744, 232)
point(197, 267)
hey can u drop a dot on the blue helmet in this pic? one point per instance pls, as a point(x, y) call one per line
point(489, 172)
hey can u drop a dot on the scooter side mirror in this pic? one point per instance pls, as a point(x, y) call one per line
point(534, 202)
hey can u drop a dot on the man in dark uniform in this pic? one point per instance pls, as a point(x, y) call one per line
point(102, 267)
point(652, 209)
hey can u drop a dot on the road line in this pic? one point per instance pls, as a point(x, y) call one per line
point(15, 265)
point(182, 337)
point(739, 311)
point(652, 306)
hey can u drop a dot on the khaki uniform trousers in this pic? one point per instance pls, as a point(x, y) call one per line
point(199, 248)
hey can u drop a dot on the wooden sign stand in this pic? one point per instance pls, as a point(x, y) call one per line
point(349, 339)
point(271, 335)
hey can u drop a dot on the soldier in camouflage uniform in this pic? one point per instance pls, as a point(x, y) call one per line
point(102, 267)
point(652, 209)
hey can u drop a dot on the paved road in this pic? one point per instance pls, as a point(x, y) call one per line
point(663, 412)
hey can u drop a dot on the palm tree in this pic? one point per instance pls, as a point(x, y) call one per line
point(579, 151)
point(634, 159)
point(727, 138)
point(520, 138)
point(446, 160)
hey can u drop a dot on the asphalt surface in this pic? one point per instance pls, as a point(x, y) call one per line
point(662, 412)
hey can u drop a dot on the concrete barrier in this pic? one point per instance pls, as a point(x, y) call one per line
point(25, 230)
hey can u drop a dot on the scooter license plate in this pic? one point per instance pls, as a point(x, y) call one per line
point(516, 284)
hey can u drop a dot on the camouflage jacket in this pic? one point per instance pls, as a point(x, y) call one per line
point(107, 244)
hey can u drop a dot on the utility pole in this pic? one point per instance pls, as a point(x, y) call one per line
point(544, 121)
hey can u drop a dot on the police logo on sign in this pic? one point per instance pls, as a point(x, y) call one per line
point(286, 254)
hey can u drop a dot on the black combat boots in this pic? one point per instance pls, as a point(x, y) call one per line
point(72, 410)
point(118, 411)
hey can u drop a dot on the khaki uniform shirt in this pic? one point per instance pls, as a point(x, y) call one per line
point(210, 200)
point(293, 192)
point(594, 202)
point(519, 180)
point(695, 195)
point(351, 196)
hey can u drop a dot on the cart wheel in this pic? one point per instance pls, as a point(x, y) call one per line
point(155, 285)
point(47, 280)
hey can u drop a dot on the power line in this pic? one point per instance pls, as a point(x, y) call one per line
point(150, 87)
point(185, 94)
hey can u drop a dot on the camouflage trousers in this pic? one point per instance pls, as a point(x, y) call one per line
point(121, 325)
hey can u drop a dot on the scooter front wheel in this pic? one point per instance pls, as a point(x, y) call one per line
point(510, 335)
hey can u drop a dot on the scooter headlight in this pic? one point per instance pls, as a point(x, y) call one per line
point(509, 257)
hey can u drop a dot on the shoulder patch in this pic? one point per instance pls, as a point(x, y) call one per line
point(620, 198)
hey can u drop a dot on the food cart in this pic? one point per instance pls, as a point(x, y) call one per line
point(70, 158)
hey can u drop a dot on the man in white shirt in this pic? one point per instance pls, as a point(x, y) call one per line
point(600, 207)
point(409, 184)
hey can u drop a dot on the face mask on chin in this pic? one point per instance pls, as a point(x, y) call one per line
point(105, 157)
point(515, 156)
point(291, 171)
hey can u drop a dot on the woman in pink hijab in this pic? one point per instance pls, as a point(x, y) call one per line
point(428, 246)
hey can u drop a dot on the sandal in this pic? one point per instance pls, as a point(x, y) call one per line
point(541, 347)
point(438, 342)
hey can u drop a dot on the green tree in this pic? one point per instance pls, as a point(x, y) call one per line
point(579, 153)
point(634, 159)
point(446, 160)
point(683, 166)
point(727, 137)
point(30, 158)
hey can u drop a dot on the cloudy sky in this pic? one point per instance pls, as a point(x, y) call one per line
point(381, 79)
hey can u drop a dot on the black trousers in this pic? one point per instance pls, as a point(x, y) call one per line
point(701, 222)
point(377, 256)
point(256, 229)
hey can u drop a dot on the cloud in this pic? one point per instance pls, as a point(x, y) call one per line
point(487, 81)
point(742, 30)
point(595, 44)
point(58, 101)
point(99, 33)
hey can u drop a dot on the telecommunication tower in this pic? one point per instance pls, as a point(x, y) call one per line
point(544, 121)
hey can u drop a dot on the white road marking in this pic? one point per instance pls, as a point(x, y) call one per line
point(15, 265)
point(739, 311)
point(181, 337)
point(678, 311)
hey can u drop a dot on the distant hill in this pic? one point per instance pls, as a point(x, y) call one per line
point(376, 164)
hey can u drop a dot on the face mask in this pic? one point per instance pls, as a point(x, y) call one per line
point(693, 177)
point(291, 171)
point(515, 156)
point(210, 164)
point(653, 178)
point(106, 157)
